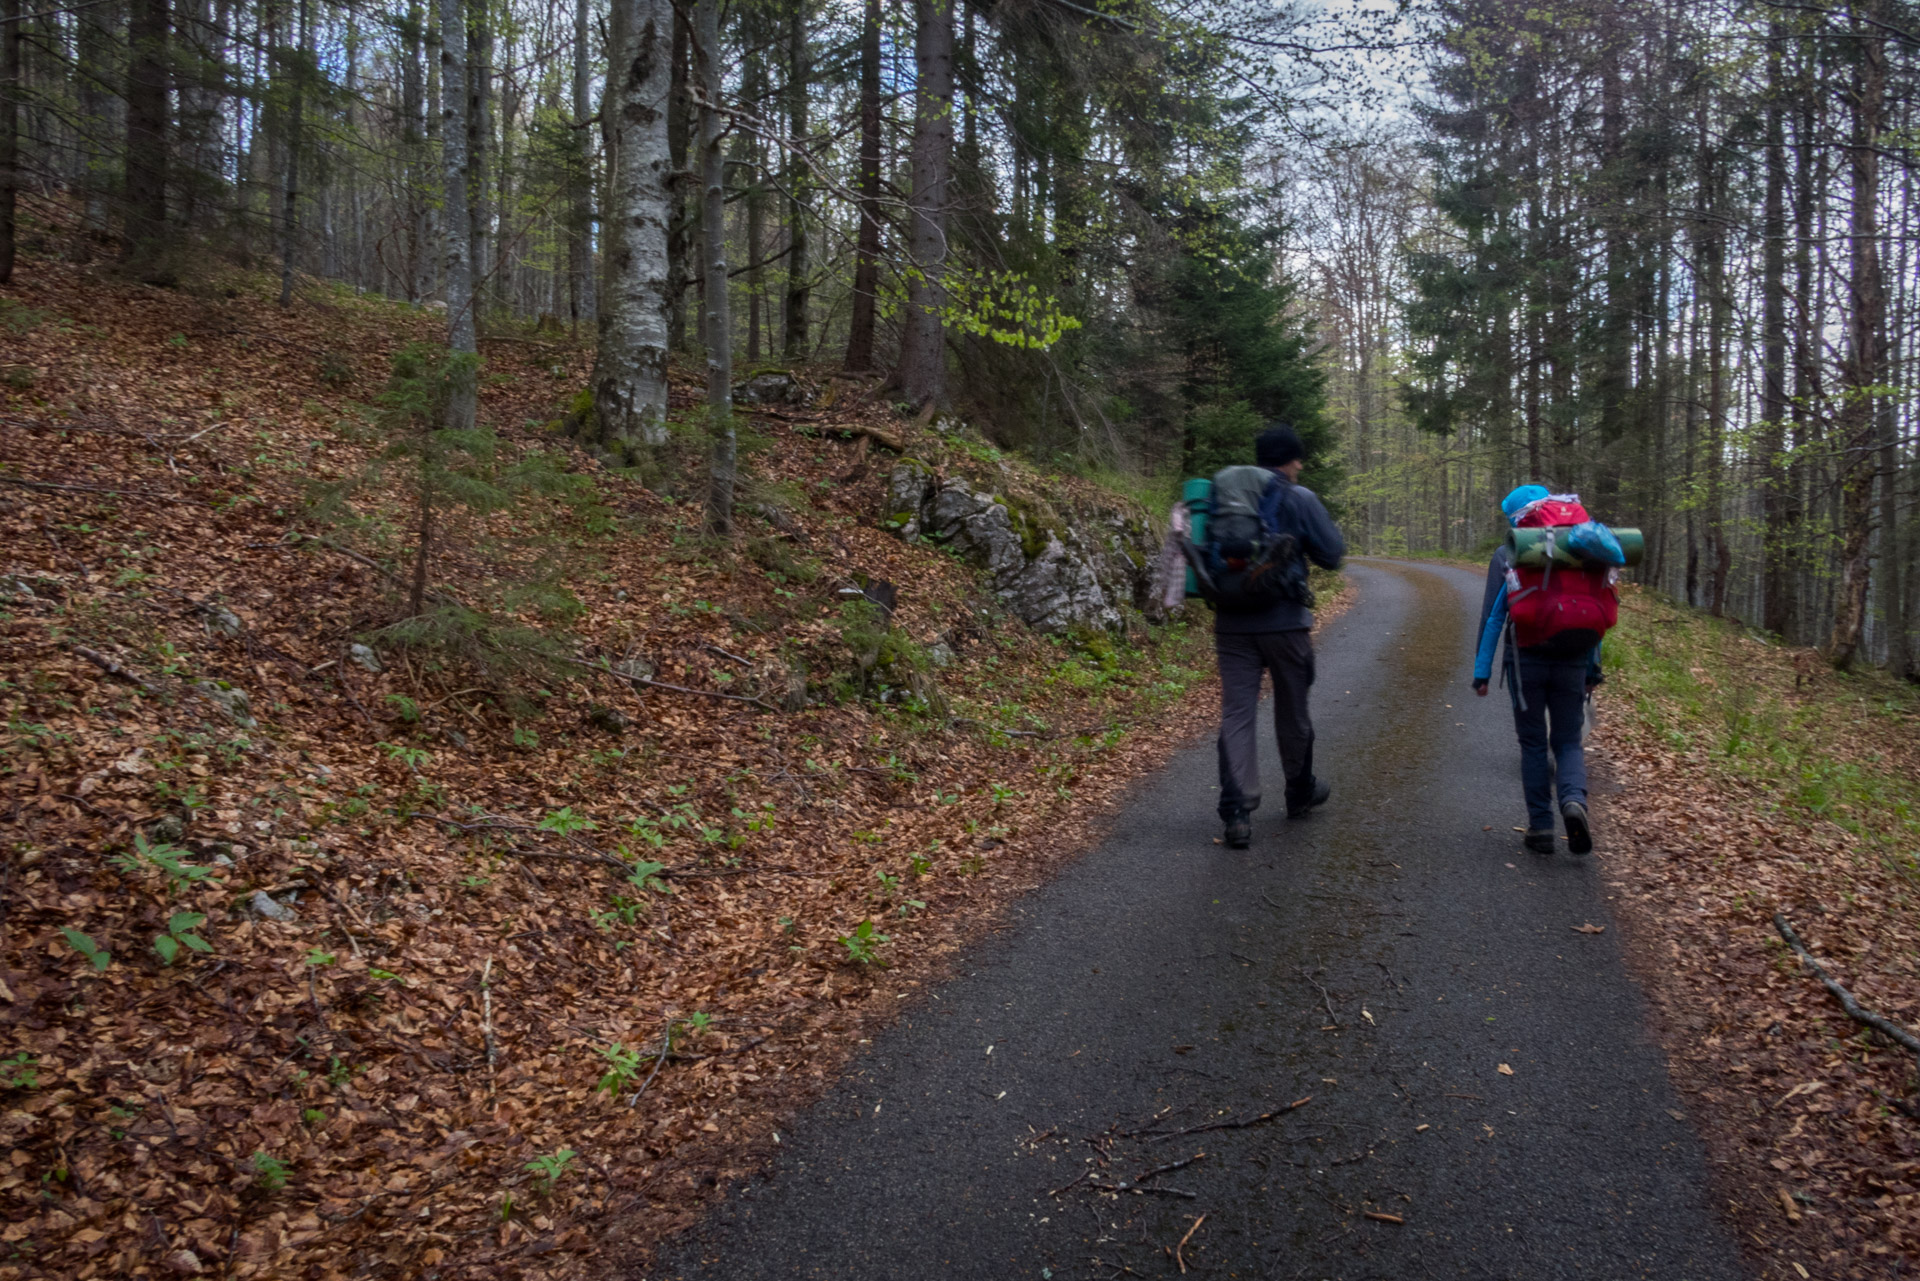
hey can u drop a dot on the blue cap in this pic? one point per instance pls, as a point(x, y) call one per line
point(1516, 502)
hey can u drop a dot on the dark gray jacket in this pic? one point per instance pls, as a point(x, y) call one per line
point(1288, 508)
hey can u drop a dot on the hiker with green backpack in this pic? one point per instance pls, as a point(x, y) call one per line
point(1254, 530)
point(1551, 593)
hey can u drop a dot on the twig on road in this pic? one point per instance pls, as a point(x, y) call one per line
point(1177, 1250)
point(1324, 996)
point(1224, 1125)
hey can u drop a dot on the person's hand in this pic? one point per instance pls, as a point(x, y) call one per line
point(1480, 688)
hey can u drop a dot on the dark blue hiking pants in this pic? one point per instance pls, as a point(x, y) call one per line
point(1549, 699)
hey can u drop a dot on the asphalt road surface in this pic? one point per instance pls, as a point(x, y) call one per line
point(1382, 959)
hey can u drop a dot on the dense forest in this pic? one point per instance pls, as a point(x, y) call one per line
point(1661, 255)
point(1657, 254)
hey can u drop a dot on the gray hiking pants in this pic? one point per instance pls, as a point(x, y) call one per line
point(1243, 660)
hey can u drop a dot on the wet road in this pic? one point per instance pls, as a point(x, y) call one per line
point(1382, 959)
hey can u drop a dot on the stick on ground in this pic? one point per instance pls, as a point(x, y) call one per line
point(1857, 1012)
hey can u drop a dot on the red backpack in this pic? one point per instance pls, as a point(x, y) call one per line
point(1562, 609)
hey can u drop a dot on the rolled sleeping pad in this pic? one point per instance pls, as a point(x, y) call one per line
point(1197, 494)
point(1530, 546)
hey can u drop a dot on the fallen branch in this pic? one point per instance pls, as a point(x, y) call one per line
point(113, 668)
point(1170, 1168)
point(891, 441)
point(58, 487)
point(1855, 1011)
point(1156, 1136)
point(486, 1015)
point(1140, 1191)
point(1010, 733)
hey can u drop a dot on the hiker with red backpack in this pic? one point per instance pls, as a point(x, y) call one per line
point(1550, 591)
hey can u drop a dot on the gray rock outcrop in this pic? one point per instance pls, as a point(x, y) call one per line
point(1054, 570)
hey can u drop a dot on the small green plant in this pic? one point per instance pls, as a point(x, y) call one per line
point(919, 865)
point(181, 931)
point(169, 859)
point(19, 1072)
point(524, 739)
point(694, 1024)
point(622, 1066)
point(864, 943)
point(548, 1169)
point(889, 885)
point(565, 822)
point(386, 976)
point(314, 1117)
point(269, 1172)
point(339, 1072)
point(406, 708)
point(411, 757)
point(317, 958)
point(1002, 793)
point(83, 943)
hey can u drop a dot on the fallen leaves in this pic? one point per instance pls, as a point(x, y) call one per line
point(369, 1085)
point(1782, 1083)
point(1589, 929)
point(1504, 1070)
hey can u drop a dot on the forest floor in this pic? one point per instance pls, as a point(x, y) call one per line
point(454, 967)
point(1753, 780)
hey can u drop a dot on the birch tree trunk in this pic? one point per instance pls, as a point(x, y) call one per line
point(630, 370)
point(923, 355)
point(866, 266)
point(462, 398)
point(679, 188)
point(713, 226)
point(799, 71)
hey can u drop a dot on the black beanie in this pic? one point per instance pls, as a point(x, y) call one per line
point(1277, 446)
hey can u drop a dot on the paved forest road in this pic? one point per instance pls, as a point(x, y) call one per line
point(1164, 982)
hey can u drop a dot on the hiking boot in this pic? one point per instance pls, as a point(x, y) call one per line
point(1579, 835)
point(1239, 832)
point(1321, 791)
point(1539, 840)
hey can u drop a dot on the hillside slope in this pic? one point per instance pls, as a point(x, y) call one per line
point(1754, 780)
point(456, 955)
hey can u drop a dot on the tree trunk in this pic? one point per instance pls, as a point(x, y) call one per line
point(713, 223)
point(479, 153)
point(1860, 370)
point(866, 267)
point(580, 300)
point(102, 113)
point(923, 354)
point(144, 247)
point(10, 85)
point(630, 369)
point(799, 71)
point(463, 395)
point(419, 271)
point(290, 192)
point(749, 164)
point(679, 189)
point(1771, 442)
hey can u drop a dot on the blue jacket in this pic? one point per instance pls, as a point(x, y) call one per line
point(1493, 621)
point(1287, 508)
